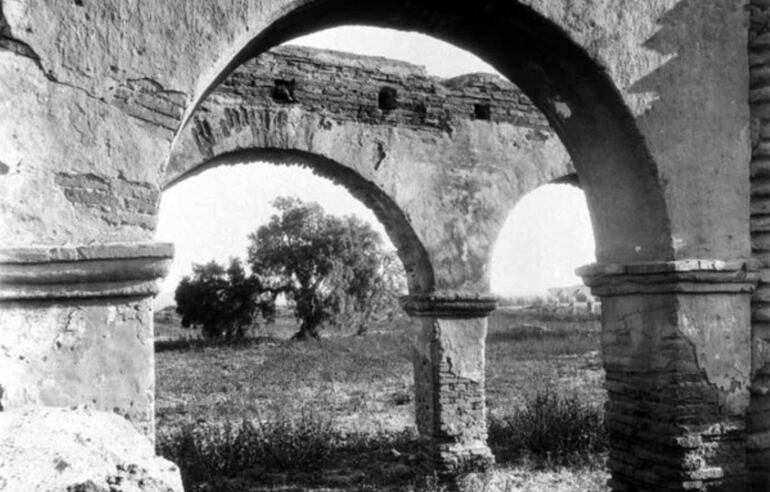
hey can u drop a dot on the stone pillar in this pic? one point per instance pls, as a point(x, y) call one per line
point(676, 349)
point(449, 379)
point(758, 421)
point(77, 327)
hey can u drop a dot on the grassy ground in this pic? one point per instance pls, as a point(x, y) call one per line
point(352, 398)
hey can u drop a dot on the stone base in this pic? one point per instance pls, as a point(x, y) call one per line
point(478, 482)
point(459, 458)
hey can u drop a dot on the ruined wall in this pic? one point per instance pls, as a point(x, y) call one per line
point(82, 327)
point(627, 81)
point(617, 82)
point(357, 88)
point(650, 99)
point(441, 162)
point(758, 448)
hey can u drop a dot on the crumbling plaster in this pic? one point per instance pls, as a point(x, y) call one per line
point(636, 48)
point(429, 158)
point(650, 99)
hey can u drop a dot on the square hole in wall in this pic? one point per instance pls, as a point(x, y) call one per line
point(482, 111)
point(283, 90)
point(387, 100)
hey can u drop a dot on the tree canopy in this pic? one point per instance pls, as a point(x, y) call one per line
point(330, 269)
point(223, 302)
point(326, 265)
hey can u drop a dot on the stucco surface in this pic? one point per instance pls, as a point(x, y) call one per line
point(80, 352)
point(622, 83)
point(102, 104)
point(438, 178)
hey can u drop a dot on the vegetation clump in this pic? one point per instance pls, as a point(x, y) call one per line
point(328, 266)
point(330, 269)
point(227, 449)
point(224, 303)
point(550, 430)
point(224, 457)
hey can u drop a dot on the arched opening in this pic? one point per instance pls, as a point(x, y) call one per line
point(545, 238)
point(666, 180)
point(210, 214)
point(580, 101)
point(308, 409)
point(409, 248)
point(239, 151)
point(543, 345)
point(582, 106)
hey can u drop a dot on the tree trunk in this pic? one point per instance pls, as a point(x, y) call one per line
point(363, 325)
point(306, 332)
point(362, 329)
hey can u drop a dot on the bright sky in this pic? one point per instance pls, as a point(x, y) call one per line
point(208, 216)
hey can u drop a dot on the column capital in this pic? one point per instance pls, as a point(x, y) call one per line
point(696, 276)
point(449, 304)
point(83, 271)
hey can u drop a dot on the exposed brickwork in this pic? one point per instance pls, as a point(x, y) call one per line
point(119, 201)
point(449, 394)
point(146, 100)
point(348, 87)
point(758, 418)
point(677, 373)
point(665, 426)
point(648, 96)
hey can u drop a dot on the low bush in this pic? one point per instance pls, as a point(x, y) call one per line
point(550, 430)
point(303, 451)
point(205, 451)
point(191, 343)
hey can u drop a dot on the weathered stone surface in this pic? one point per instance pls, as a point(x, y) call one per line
point(758, 420)
point(449, 388)
point(431, 151)
point(111, 270)
point(591, 67)
point(678, 373)
point(72, 449)
point(688, 276)
point(650, 99)
point(80, 351)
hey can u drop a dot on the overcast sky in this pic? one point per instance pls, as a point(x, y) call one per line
point(208, 216)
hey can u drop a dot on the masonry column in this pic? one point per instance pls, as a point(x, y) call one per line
point(676, 349)
point(449, 378)
point(77, 327)
point(759, 102)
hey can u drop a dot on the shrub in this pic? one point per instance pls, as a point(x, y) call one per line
point(552, 429)
point(204, 451)
point(223, 302)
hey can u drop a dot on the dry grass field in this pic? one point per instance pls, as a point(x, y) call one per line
point(337, 413)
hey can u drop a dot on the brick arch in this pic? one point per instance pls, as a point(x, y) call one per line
point(410, 249)
point(452, 172)
point(579, 99)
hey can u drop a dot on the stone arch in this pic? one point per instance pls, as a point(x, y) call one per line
point(452, 174)
point(410, 249)
point(577, 96)
point(568, 178)
point(650, 99)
